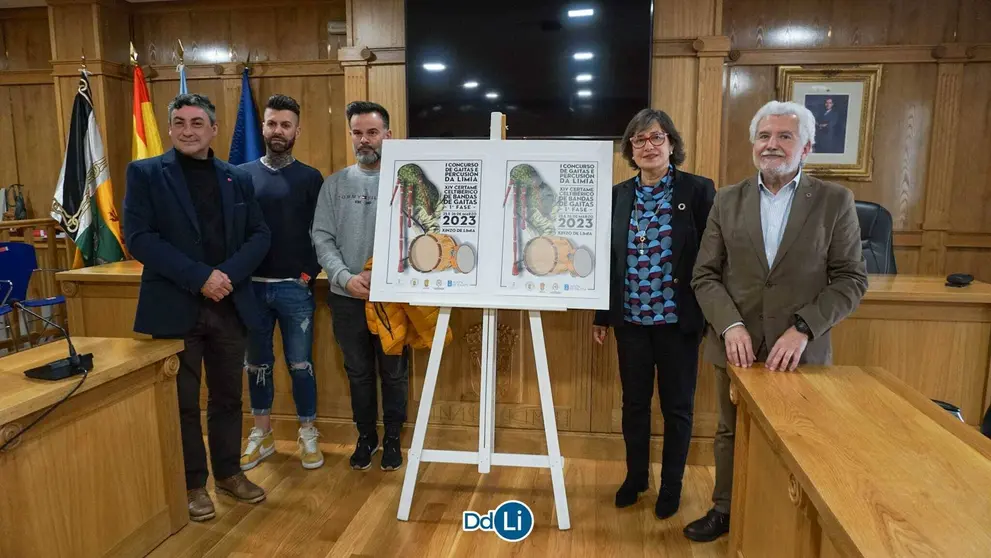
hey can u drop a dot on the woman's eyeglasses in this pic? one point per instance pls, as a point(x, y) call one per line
point(656, 139)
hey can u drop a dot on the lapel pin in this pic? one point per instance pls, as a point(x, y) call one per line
point(681, 207)
point(807, 194)
point(229, 179)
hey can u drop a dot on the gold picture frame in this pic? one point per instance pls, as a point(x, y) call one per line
point(844, 101)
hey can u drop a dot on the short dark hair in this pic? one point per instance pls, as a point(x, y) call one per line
point(283, 102)
point(367, 107)
point(641, 121)
point(193, 100)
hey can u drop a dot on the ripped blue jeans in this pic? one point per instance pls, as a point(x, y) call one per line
point(291, 305)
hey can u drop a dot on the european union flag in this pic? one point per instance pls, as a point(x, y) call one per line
point(246, 143)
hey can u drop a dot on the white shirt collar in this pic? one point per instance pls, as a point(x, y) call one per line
point(793, 184)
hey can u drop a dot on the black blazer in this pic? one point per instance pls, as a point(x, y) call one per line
point(162, 232)
point(695, 195)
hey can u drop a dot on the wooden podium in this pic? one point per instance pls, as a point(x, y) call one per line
point(102, 474)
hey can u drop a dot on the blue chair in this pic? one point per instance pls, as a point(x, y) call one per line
point(11, 337)
point(18, 262)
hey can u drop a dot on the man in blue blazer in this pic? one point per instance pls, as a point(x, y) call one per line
point(193, 221)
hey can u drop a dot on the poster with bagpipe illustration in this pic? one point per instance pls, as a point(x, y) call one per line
point(434, 223)
point(494, 224)
point(551, 226)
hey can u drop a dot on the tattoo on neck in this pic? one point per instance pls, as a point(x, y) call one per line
point(276, 161)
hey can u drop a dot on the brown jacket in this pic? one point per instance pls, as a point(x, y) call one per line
point(818, 272)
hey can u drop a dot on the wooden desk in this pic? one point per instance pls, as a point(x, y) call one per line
point(849, 461)
point(892, 329)
point(933, 337)
point(103, 473)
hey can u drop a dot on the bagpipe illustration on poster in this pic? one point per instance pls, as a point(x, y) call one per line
point(494, 224)
point(434, 223)
point(550, 227)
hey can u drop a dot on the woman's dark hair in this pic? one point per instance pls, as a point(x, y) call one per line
point(641, 122)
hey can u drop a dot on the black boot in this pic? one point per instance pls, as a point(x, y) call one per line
point(714, 525)
point(668, 500)
point(631, 489)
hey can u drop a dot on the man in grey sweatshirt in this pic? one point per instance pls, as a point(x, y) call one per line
point(343, 235)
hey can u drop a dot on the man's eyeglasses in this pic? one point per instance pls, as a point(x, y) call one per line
point(656, 139)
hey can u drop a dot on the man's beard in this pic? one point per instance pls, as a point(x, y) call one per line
point(278, 148)
point(782, 167)
point(367, 155)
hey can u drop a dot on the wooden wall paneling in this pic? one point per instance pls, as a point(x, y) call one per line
point(156, 35)
point(974, 21)
point(970, 198)
point(340, 138)
point(749, 88)
point(570, 353)
point(907, 260)
point(9, 170)
point(837, 23)
point(685, 18)
point(38, 158)
point(457, 392)
point(621, 170)
point(708, 144)
point(387, 87)
point(377, 24)
point(675, 91)
point(939, 183)
point(210, 35)
point(260, 31)
point(24, 39)
point(901, 138)
point(114, 24)
point(73, 31)
point(975, 261)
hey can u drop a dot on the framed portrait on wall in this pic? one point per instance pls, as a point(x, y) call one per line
point(843, 100)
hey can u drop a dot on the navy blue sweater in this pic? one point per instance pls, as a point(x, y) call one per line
point(288, 198)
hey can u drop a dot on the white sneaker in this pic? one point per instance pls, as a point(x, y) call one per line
point(309, 451)
point(260, 445)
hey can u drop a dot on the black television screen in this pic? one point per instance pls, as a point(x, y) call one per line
point(556, 69)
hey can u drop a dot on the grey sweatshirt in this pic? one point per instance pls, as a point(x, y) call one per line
point(344, 224)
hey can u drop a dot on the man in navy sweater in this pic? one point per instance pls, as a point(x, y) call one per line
point(193, 221)
point(287, 192)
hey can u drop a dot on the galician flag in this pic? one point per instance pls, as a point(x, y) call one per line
point(146, 142)
point(84, 197)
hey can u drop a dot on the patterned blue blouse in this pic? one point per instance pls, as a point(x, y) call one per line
point(650, 296)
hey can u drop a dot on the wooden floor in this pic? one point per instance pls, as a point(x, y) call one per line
point(336, 511)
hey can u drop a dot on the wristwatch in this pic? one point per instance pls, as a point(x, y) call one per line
point(803, 327)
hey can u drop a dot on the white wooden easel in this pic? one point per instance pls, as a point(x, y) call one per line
point(485, 457)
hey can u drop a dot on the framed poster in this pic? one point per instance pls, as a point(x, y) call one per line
point(843, 100)
point(494, 224)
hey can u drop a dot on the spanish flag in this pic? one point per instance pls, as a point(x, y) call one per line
point(147, 142)
point(84, 198)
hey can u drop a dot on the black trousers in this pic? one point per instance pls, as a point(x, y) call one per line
point(218, 342)
point(674, 356)
point(362, 352)
point(986, 426)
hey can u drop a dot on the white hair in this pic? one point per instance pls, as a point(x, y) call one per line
point(806, 120)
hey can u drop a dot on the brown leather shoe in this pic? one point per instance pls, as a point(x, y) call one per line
point(241, 489)
point(200, 505)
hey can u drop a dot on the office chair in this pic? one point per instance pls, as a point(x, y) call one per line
point(876, 232)
point(18, 261)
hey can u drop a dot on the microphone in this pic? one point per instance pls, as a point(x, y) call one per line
point(62, 368)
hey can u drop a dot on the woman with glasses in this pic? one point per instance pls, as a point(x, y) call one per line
point(658, 218)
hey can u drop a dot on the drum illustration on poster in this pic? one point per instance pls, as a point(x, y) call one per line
point(434, 210)
point(549, 213)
